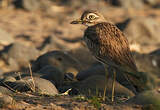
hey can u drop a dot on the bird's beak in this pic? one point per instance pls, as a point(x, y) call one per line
point(78, 21)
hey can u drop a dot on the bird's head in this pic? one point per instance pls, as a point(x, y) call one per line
point(89, 18)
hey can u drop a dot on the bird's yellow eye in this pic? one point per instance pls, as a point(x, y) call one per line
point(91, 17)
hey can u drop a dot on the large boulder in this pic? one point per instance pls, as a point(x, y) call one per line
point(61, 60)
point(18, 56)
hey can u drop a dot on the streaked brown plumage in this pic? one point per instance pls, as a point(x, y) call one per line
point(106, 42)
point(109, 45)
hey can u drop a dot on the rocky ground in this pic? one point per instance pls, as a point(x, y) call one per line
point(44, 64)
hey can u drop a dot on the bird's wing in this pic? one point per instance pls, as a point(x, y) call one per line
point(113, 46)
point(117, 46)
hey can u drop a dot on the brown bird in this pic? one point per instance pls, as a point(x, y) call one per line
point(107, 43)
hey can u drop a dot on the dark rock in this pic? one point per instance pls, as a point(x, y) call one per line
point(155, 52)
point(94, 70)
point(27, 4)
point(143, 30)
point(149, 99)
point(53, 74)
point(95, 84)
point(157, 6)
point(58, 59)
point(18, 55)
point(5, 38)
point(84, 56)
point(137, 4)
point(122, 25)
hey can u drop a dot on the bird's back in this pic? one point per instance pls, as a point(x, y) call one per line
point(109, 45)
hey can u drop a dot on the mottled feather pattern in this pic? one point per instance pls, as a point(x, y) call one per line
point(109, 45)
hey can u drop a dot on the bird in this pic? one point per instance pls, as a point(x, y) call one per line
point(107, 43)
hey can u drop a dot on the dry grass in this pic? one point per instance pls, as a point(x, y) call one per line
point(32, 87)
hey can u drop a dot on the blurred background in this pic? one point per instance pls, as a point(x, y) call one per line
point(30, 28)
